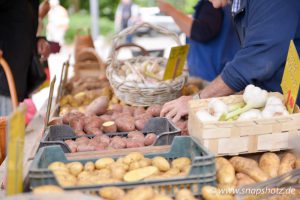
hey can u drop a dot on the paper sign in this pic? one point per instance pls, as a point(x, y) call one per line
point(15, 141)
point(176, 62)
point(291, 78)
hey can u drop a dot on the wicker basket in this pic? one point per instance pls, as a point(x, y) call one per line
point(140, 94)
point(13, 93)
point(89, 64)
point(239, 137)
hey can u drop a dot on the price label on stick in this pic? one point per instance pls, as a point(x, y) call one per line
point(176, 62)
point(15, 141)
point(291, 78)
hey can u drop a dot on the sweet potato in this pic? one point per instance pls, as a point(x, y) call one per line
point(69, 116)
point(128, 110)
point(248, 167)
point(98, 106)
point(109, 127)
point(106, 118)
point(154, 110)
point(117, 108)
point(287, 163)
point(77, 125)
point(269, 163)
point(125, 124)
point(150, 139)
point(243, 179)
point(92, 125)
point(139, 111)
point(117, 143)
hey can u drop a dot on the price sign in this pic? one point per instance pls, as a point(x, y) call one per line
point(176, 62)
point(291, 78)
point(15, 141)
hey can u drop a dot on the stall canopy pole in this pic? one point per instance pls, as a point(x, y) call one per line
point(94, 10)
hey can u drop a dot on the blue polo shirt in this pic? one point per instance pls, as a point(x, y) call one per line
point(265, 28)
point(211, 48)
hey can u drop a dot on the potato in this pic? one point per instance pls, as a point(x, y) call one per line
point(47, 189)
point(125, 124)
point(161, 197)
point(136, 135)
point(269, 163)
point(134, 165)
point(103, 163)
point(287, 163)
point(112, 193)
point(82, 140)
point(128, 110)
point(225, 172)
point(65, 179)
point(181, 162)
point(92, 125)
point(154, 110)
point(130, 143)
point(140, 174)
point(140, 193)
point(117, 108)
point(243, 179)
point(106, 118)
point(77, 126)
point(145, 162)
point(141, 120)
point(103, 139)
point(85, 148)
point(89, 166)
point(75, 168)
point(58, 166)
point(184, 194)
point(161, 163)
point(56, 121)
point(212, 193)
point(72, 145)
point(133, 157)
point(98, 106)
point(117, 143)
point(297, 163)
point(103, 173)
point(172, 172)
point(248, 167)
point(118, 164)
point(139, 111)
point(109, 127)
point(186, 169)
point(118, 172)
point(150, 139)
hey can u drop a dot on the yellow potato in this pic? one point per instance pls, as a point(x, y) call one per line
point(112, 193)
point(75, 168)
point(212, 193)
point(84, 175)
point(134, 165)
point(225, 172)
point(89, 166)
point(118, 172)
point(133, 157)
point(140, 174)
point(145, 162)
point(161, 197)
point(120, 160)
point(172, 172)
point(248, 167)
point(184, 194)
point(103, 173)
point(66, 180)
point(55, 166)
point(116, 164)
point(180, 163)
point(269, 163)
point(287, 163)
point(103, 163)
point(140, 193)
point(47, 189)
point(243, 179)
point(161, 163)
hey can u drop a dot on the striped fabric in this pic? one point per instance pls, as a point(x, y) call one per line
point(5, 106)
point(235, 6)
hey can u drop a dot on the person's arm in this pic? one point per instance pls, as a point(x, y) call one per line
point(265, 45)
point(217, 88)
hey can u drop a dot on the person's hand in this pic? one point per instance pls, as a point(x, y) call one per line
point(164, 7)
point(43, 48)
point(44, 8)
point(176, 109)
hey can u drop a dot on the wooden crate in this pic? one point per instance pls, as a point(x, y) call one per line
point(236, 137)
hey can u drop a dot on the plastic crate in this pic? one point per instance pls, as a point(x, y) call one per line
point(202, 170)
point(285, 186)
point(162, 127)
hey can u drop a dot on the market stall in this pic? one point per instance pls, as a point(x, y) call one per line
point(105, 136)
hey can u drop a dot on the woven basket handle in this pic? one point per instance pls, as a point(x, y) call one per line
point(10, 80)
point(92, 51)
point(143, 50)
point(130, 30)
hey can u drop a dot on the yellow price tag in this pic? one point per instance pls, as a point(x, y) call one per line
point(176, 62)
point(16, 134)
point(291, 78)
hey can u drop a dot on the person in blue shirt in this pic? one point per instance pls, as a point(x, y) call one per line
point(211, 35)
point(265, 28)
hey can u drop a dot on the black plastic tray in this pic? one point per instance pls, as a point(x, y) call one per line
point(162, 127)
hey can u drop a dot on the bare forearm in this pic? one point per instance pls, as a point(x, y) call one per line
point(182, 20)
point(217, 88)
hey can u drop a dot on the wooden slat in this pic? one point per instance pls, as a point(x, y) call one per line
point(116, 152)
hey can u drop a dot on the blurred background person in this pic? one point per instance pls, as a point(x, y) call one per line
point(127, 14)
point(58, 22)
point(211, 35)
